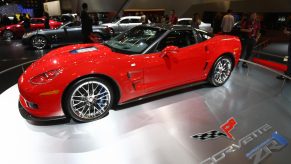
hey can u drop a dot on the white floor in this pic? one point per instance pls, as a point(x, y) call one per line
point(101, 141)
point(157, 131)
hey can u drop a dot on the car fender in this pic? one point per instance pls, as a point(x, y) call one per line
point(222, 45)
point(105, 70)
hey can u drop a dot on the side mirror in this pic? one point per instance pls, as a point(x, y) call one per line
point(169, 50)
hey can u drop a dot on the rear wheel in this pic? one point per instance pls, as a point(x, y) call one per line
point(39, 42)
point(221, 71)
point(89, 99)
point(8, 35)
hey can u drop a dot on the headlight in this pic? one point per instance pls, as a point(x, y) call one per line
point(46, 77)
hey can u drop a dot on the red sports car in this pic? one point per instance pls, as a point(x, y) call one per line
point(17, 30)
point(83, 81)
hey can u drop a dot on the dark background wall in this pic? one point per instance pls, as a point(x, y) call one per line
point(93, 5)
point(260, 6)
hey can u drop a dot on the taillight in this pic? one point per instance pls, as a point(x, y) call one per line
point(45, 77)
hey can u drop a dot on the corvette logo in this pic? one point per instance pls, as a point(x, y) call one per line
point(220, 155)
point(273, 144)
point(213, 134)
point(265, 149)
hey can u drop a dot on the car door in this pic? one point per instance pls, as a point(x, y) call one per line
point(133, 23)
point(59, 36)
point(36, 24)
point(123, 25)
point(74, 33)
point(183, 66)
point(19, 29)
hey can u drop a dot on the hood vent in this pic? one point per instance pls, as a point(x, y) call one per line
point(83, 50)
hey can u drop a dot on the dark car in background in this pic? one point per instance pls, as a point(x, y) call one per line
point(68, 33)
point(17, 30)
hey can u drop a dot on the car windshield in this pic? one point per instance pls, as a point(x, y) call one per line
point(64, 25)
point(136, 40)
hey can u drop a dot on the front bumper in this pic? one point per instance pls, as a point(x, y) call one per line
point(41, 121)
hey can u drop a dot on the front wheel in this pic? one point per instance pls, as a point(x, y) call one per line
point(39, 42)
point(8, 35)
point(221, 71)
point(89, 99)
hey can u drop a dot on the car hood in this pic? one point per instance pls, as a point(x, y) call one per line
point(67, 57)
point(100, 26)
point(9, 27)
point(12, 26)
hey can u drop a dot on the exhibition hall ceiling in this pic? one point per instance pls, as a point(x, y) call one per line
point(183, 8)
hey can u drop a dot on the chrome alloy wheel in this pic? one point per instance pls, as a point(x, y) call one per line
point(39, 42)
point(222, 70)
point(90, 100)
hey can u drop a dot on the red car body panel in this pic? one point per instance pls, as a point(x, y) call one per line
point(18, 29)
point(135, 75)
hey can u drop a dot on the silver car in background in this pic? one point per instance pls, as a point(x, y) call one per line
point(124, 24)
point(203, 26)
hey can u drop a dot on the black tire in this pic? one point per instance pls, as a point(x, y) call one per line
point(8, 35)
point(84, 104)
point(221, 71)
point(39, 42)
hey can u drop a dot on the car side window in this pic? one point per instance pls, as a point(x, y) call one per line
point(179, 38)
point(135, 20)
point(125, 21)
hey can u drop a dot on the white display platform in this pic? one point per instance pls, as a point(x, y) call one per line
point(102, 141)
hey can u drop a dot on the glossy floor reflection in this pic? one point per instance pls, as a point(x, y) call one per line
point(275, 52)
point(280, 49)
point(12, 54)
point(157, 131)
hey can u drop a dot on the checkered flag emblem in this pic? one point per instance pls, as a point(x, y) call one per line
point(209, 135)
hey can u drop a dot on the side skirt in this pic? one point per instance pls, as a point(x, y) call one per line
point(164, 92)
